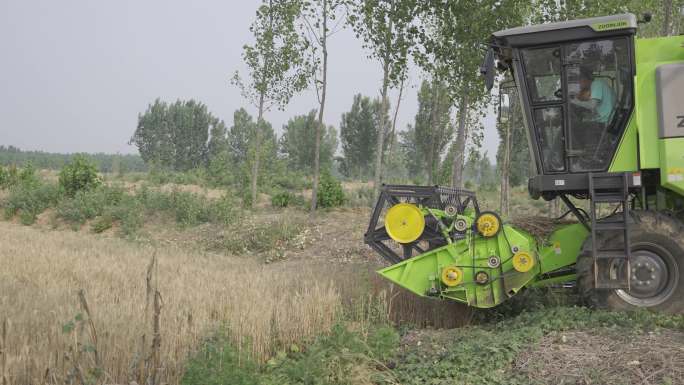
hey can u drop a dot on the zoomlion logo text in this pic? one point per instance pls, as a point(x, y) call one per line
point(611, 25)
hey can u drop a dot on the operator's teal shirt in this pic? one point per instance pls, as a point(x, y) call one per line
point(601, 91)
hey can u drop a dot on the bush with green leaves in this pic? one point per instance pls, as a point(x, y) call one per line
point(330, 193)
point(282, 199)
point(4, 177)
point(79, 175)
point(12, 176)
point(225, 210)
point(29, 199)
point(88, 204)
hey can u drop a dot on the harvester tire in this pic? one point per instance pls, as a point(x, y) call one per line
point(654, 237)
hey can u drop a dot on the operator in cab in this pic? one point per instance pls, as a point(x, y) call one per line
point(596, 96)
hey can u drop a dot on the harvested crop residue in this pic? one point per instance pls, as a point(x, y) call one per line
point(609, 356)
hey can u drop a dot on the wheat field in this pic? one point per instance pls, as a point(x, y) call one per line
point(142, 310)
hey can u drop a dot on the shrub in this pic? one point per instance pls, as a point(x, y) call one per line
point(30, 199)
point(289, 181)
point(4, 177)
point(79, 175)
point(330, 192)
point(12, 176)
point(282, 199)
point(190, 209)
point(88, 204)
point(225, 210)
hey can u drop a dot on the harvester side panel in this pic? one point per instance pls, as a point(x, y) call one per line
point(650, 54)
point(670, 92)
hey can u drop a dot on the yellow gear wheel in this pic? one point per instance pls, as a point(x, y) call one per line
point(488, 224)
point(404, 222)
point(523, 261)
point(452, 276)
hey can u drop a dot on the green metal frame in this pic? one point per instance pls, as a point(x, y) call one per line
point(422, 274)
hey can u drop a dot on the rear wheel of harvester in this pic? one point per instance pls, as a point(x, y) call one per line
point(657, 263)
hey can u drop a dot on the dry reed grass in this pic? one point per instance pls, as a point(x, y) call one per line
point(263, 306)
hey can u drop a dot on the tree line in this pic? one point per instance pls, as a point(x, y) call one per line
point(290, 52)
point(114, 163)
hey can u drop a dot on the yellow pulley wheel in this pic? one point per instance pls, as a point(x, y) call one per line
point(488, 224)
point(523, 261)
point(404, 222)
point(452, 276)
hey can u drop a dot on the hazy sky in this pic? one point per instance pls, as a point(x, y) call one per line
point(74, 74)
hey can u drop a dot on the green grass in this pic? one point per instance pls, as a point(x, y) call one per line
point(482, 354)
point(340, 357)
point(478, 354)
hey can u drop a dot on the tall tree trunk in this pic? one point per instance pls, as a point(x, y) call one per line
point(457, 169)
point(434, 105)
point(505, 171)
point(319, 125)
point(381, 129)
point(257, 149)
point(666, 29)
point(390, 145)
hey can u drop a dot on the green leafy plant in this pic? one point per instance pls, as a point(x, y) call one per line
point(79, 175)
point(343, 356)
point(12, 176)
point(330, 193)
point(30, 199)
point(282, 199)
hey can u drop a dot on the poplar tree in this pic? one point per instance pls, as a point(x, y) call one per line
point(387, 30)
point(277, 66)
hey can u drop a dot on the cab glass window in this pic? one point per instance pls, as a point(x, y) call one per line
point(599, 100)
point(549, 123)
point(543, 71)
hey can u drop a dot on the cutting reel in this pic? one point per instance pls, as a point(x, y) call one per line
point(411, 220)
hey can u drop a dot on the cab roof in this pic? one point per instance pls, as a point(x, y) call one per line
point(625, 23)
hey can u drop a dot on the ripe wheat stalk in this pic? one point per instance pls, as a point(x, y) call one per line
point(134, 334)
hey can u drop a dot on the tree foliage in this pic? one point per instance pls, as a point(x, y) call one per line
point(10, 155)
point(297, 143)
point(175, 136)
point(277, 66)
point(387, 29)
point(359, 134)
point(433, 129)
point(241, 149)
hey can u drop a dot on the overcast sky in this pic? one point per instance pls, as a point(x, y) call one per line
point(74, 74)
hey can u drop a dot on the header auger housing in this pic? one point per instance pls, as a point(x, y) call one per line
point(604, 118)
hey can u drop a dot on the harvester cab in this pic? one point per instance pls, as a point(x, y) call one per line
point(604, 116)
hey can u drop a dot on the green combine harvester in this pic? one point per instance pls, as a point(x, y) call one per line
point(604, 114)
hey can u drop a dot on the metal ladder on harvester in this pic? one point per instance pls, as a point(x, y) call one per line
point(612, 268)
